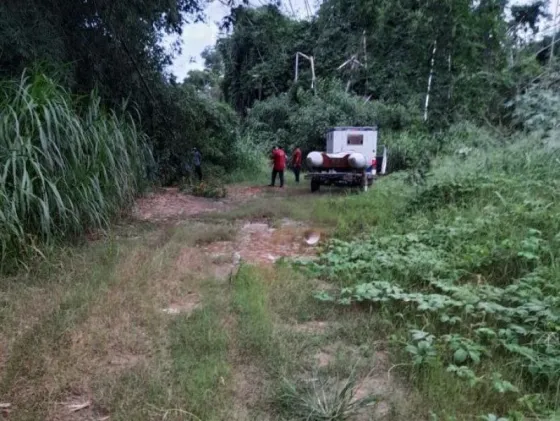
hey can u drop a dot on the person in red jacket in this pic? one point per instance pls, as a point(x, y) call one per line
point(278, 165)
point(296, 163)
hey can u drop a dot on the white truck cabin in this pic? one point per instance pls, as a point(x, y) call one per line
point(354, 139)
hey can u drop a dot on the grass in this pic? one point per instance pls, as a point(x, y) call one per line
point(64, 171)
point(94, 326)
point(30, 364)
point(336, 209)
point(254, 319)
point(323, 400)
point(271, 207)
point(101, 333)
point(199, 350)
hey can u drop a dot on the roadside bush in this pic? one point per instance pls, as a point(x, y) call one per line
point(466, 275)
point(67, 165)
point(301, 118)
point(251, 159)
point(195, 120)
point(209, 190)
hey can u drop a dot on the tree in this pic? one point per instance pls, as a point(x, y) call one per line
point(209, 80)
point(113, 46)
point(258, 54)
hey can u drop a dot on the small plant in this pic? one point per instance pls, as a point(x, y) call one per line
point(323, 400)
point(209, 190)
point(422, 349)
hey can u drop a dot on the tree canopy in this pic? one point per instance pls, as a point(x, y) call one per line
point(441, 60)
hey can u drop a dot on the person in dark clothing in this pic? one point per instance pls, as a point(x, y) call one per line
point(197, 161)
point(296, 163)
point(278, 165)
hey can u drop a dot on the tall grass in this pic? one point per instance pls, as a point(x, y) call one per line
point(67, 165)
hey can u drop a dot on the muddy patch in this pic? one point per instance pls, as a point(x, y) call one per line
point(260, 243)
point(170, 203)
point(256, 242)
point(391, 393)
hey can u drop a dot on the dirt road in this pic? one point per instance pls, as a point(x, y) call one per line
point(187, 311)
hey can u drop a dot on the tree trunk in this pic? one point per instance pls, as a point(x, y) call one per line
point(430, 77)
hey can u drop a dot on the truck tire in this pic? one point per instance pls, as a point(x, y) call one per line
point(315, 185)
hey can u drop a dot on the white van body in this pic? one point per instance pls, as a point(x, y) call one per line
point(362, 140)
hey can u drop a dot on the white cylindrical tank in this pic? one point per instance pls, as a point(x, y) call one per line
point(315, 159)
point(357, 160)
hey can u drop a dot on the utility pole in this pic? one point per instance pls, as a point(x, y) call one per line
point(311, 62)
point(554, 29)
point(355, 63)
point(427, 103)
point(365, 61)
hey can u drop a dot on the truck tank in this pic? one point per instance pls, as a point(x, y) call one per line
point(357, 161)
point(314, 159)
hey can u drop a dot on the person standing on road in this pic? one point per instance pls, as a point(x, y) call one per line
point(296, 163)
point(278, 165)
point(197, 161)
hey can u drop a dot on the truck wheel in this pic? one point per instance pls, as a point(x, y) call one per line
point(315, 185)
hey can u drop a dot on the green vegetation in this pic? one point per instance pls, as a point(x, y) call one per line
point(326, 401)
point(250, 300)
point(199, 347)
point(67, 165)
point(464, 269)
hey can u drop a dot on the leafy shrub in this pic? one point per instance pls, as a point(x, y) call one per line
point(198, 121)
point(453, 192)
point(251, 160)
point(64, 171)
point(409, 150)
point(467, 273)
point(538, 107)
point(210, 190)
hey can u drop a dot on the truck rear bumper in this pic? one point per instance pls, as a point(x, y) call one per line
point(339, 178)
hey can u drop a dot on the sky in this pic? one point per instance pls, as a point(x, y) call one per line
point(198, 36)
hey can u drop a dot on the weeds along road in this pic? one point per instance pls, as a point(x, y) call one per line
point(430, 299)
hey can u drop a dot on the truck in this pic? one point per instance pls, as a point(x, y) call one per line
point(351, 159)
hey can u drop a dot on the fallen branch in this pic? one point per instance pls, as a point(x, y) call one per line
point(165, 412)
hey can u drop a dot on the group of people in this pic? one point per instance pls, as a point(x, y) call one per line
point(279, 164)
